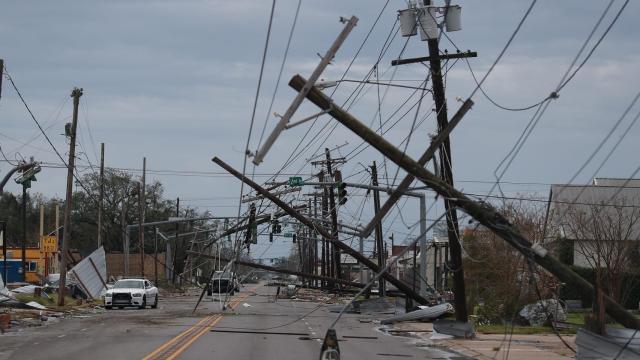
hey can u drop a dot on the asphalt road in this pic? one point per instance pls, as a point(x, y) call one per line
point(256, 328)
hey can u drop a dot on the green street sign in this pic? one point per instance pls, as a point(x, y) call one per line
point(296, 181)
point(288, 235)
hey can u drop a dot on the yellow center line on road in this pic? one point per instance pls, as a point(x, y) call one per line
point(177, 345)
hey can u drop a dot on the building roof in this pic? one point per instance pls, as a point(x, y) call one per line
point(607, 196)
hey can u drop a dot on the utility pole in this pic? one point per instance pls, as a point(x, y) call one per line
point(423, 245)
point(24, 232)
point(401, 286)
point(326, 259)
point(315, 236)
point(1, 72)
point(334, 219)
point(175, 242)
point(142, 204)
point(101, 197)
point(75, 94)
point(3, 238)
point(125, 231)
point(453, 231)
point(155, 254)
point(484, 213)
point(57, 229)
point(379, 240)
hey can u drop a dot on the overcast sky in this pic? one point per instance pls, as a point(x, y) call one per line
point(175, 81)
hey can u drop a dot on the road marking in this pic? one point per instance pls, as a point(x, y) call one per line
point(175, 346)
point(61, 336)
point(194, 338)
point(175, 339)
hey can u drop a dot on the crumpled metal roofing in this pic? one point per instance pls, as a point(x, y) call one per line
point(85, 274)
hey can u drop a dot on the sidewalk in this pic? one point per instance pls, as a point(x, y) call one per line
point(496, 346)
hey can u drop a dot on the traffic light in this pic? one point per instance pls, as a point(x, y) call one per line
point(276, 228)
point(342, 188)
point(271, 237)
point(294, 238)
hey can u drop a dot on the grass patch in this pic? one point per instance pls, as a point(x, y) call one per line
point(520, 330)
point(575, 318)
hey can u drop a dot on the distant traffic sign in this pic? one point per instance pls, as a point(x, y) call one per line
point(49, 244)
point(287, 234)
point(296, 181)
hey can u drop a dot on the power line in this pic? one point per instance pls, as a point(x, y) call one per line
point(535, 119)
point(284, 61)
point(46, 136)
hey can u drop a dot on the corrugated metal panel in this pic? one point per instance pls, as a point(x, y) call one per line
point(86, 275)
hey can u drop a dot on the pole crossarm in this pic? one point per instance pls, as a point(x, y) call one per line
point(460, 55)
point(309, 223)
point(484, 213)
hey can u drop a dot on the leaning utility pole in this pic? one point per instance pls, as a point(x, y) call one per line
point(379, 240)
point(75, 94)
point(101, 198)
point(334, 219)
point(484, 213)
point(401, 286)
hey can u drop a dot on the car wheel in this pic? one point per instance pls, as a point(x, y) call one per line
point(144, 302)
point(108, 307)
point(155, 303)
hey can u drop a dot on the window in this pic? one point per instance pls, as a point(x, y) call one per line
point(33, 266)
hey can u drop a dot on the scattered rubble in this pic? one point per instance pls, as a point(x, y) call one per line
point(427, 313)
point(541, 312)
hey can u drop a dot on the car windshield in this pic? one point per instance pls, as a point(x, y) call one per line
point(129, 284)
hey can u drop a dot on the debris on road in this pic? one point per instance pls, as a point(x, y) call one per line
point(543, 311)
point(454, 328)
point(428, 313)
point(594, 346)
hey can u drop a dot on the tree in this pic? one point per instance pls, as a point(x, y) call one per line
point(497, 276)
point(605, 236)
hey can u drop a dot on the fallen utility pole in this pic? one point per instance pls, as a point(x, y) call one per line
point(75, 94)
point(279, 270)
point(342, 246)
point(284, 120)
point(484, 213)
